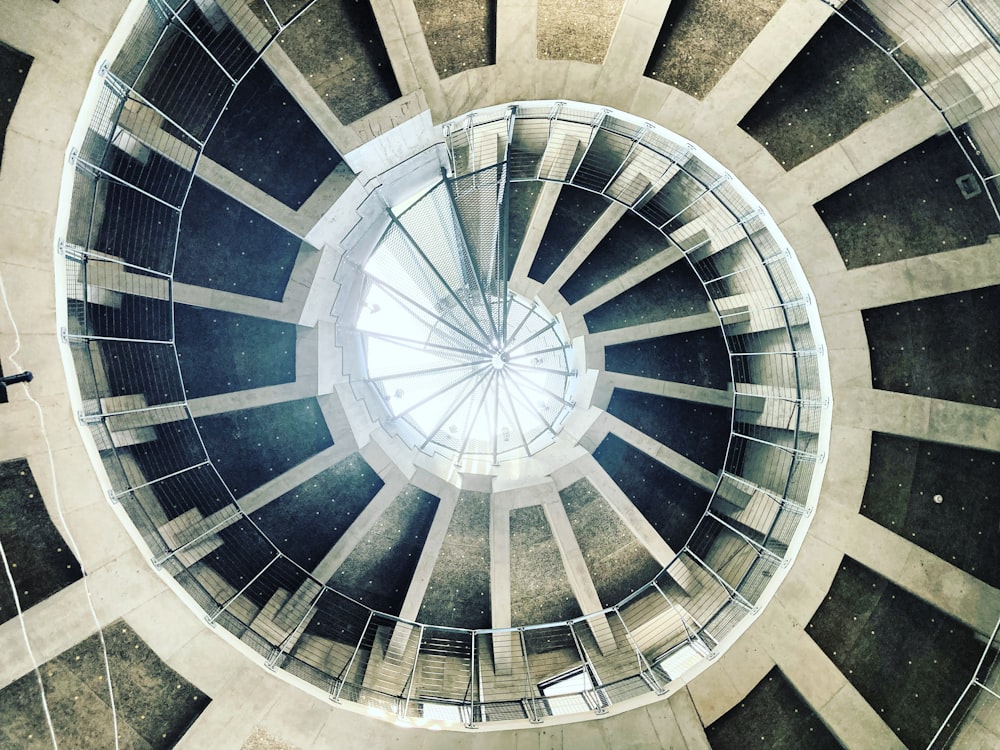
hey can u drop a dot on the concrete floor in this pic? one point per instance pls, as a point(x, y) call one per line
point(248, 702)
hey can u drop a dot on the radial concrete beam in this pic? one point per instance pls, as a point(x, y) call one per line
point(580, 580)
point(919, 417)
point(632, 517)
point(682, 391)
point(340, 136)
point(668, 327)
point(867, 148)
point(250, 195)
point(408, 52)
point(230, 302)
point(583, 248)
point(909, 279)
point(670, 458)
point(540, 216)
point(766, 57)
point(627, 280)
point(289, 480)
point(249, 399)
point(64, 619)
point(856, 725)
point(365, 521)
point(629, 51)
point(517, 32)
point(689, 724)
point(429, 553)
point(920, 572)
point(505, 645)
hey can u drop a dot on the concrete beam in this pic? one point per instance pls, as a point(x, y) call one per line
point(629, 51)
point(953, 591)
point(766, 57)
point(504, 647)
point(286, 482)
point(634, 520)
point(583, 248)
point(627, 280)
point(694, 393)
point(940, 421)
point(909, 279)
point(408, 52)
point(668, 327)
point(250, 399)
point(693, 472)
point(430, 552)
point(867, 148)
point(356, 532)
point(577, 572)
point(517, 31)
point(818, 680)
point(540, 216)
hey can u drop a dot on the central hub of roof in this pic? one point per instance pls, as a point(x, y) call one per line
point(464, 366)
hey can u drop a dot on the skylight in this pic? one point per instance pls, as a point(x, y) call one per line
point(473, 369)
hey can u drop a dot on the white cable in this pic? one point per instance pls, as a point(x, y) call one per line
point(70, 541)
point(27, 645)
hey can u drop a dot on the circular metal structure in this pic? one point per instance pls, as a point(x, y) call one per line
point(474, 370)
point(106, 266)
point(436, 264)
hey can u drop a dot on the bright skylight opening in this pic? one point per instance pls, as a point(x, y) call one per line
point(474, 370)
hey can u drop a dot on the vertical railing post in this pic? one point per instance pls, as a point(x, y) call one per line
point(645, 669)
point(210, 619)
point(529, 692)
point(405, 708)
point(342, 677)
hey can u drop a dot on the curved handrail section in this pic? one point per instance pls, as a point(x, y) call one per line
point(950, 52)
point(151, 110)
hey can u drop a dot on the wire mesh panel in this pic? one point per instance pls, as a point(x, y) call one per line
point(478, 199)
point(501, 669)
point(444, 678)
point(530, 137)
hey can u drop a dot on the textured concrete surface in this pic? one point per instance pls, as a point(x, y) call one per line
point(66, 40)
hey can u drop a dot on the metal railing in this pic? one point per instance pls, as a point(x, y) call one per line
point(956, 44)
point(153, 108)
point(977, 705)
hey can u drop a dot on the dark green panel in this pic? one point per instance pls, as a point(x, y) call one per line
point(618, 563)
point(458, 594)
point(155, 706)
point(838, 82)
point(772, 717)
point(253, 446)
point(906, 658)
point(40, 561)
point(942, 347)
point(908, 207)
point(539, 587)
point(379, 570)
point(222, 352)
point(903, 479)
